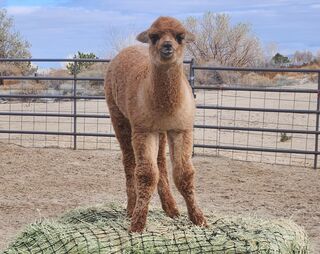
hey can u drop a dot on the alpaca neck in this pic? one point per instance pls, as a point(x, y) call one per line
point(166, 82)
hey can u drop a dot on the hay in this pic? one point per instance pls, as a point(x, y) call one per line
point(104, 230)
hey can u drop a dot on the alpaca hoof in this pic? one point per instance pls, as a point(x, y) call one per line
point(129, 213)
point(198, 219)
point(169, 206)
point(172, 212)
point(136, 228)
point(130, 209)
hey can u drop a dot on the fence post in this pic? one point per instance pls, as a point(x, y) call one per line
point(36, 75)
point(75, 67)
point(191, 81)
point(315, 165)
point(191, 77)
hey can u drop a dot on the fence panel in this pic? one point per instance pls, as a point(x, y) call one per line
point(276, 122)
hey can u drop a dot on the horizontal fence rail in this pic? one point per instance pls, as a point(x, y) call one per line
point(193, 72)
point(56, 60)
point(256, 69)
point(51, 78)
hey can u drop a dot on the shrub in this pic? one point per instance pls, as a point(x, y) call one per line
point(80, 65)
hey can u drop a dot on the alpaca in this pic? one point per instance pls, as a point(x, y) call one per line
point(150, 101)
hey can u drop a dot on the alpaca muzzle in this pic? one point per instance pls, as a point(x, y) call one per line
point(167, 50)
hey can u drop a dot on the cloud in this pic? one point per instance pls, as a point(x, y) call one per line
point(35, 2)
point(61, 27)
point(315, 6)
point(252, 12)
point(60, 31)
point(22, 10)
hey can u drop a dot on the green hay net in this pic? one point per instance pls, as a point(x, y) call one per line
point(104, 230)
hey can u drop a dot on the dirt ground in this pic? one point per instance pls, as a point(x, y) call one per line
point(38, 183)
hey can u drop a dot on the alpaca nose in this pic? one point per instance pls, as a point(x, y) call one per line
point(167, 45)
point(166, 50)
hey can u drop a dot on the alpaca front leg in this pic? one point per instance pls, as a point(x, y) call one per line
point(180, 144)
point(168, 203)
point(145, 147)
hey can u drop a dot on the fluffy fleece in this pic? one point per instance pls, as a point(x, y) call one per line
point(150, 101)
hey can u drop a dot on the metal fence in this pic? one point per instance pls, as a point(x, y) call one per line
point(266, 122)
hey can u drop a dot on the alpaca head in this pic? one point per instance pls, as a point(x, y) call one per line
point(167, 38)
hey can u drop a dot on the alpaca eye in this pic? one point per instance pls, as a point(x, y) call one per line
point(179, 38)
point(154, 38)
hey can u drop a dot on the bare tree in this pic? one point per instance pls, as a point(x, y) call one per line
point(270, 50)
point(118, 40)
point(219, 41)
point(302, 57)
point(11, 43)
point(318, 56)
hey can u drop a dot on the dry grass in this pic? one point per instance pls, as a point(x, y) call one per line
point(253, 79)
point(103, 229)
point(9, 70)
point(33, 88)
point(58, 73)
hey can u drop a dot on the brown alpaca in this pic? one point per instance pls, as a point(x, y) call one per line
point(150, 100)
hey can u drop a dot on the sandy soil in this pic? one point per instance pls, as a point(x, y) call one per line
point(38, 183)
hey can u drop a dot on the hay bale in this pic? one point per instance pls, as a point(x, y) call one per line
point(104, 230)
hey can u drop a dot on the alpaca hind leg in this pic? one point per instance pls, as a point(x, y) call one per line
point(180, 144)
point(122, 130)
point(129, 167)
point(168, 203)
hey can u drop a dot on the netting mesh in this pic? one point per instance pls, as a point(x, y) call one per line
point(104, 230)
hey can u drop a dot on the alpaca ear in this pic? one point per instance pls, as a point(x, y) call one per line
point(143, 37)
point(190, 37)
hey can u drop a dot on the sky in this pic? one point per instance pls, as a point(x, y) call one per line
point(60, 28)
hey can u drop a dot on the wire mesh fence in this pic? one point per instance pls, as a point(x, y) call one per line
point(272, 116)
point(259, 125)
